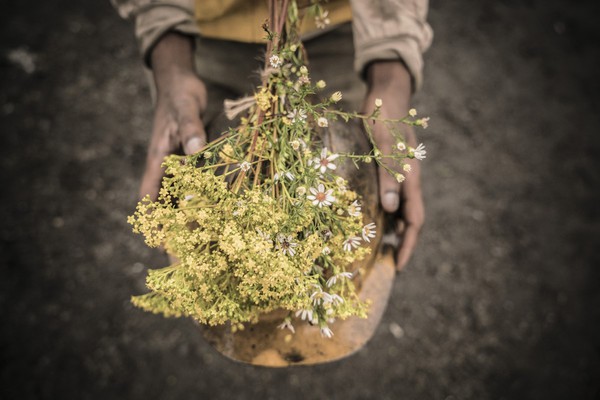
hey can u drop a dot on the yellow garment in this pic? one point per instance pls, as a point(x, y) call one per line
point(242, 20)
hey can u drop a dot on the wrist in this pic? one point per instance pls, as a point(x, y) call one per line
point(389, 76)
point(172, 59)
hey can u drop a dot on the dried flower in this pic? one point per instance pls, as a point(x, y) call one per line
point(412, 112)
point(321, 84)
point(300, 190)
point(322, 122)
point(399, 177)
point(275, 61)
point(337, 96)
point(406, 168)
point(245, 166)
point(423, 122)
point(401, 146)
point(378, 103)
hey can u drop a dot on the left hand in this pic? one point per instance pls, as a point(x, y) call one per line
point(390, 81)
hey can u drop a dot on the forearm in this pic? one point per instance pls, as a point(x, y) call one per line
point(155, 18)
point(172, 57)
point(391, 30)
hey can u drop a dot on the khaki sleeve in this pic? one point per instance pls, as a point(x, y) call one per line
point(391, 30)
point(154, 18)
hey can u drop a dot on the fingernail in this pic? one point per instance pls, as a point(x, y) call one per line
point(193, 145)
point(390, 201)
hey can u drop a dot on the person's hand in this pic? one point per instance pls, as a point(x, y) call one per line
point(390, 81)
point(181, 99)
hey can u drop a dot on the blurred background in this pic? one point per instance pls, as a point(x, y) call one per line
point(500, 301)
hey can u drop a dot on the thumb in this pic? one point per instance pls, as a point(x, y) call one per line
point(191, 131)
point(389, 191)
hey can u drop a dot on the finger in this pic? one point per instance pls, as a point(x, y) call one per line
point(409, 241)
point(389, 187)
point(413, 216)
point(163, 143)
point(191, 129)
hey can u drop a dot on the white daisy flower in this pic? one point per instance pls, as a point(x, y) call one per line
point(321, 21)
point(333, 280)
point(326, 332)
point(351, 243)
point(368, 232)
point(320, 297)
point(305, 315)
point(423, 122)
point(412, 112)
point(297, 115)
point(264, 236)
point(322, 122)
point(275, 61)
point(324, 162)
point(287, 324)
point(284, 174)
point(303, 80)
point(245, 166)
point(354, 209)
point(407, 168)
point(286, 244)
point(419, 153)
point(335, 299)
point(401, 146)
point(337, 96)
point(320, 197)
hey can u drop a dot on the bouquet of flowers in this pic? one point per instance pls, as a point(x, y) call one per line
point(259, 220)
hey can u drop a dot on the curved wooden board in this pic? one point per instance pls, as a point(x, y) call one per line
point(265, 345)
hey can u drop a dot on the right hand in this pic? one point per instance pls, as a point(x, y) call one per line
point(181, 100)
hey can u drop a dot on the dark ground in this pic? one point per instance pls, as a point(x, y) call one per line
point(500, 301)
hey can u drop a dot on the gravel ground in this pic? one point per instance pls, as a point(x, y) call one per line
point(500, 301)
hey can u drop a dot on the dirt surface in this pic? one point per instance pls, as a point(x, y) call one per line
point(500, 301)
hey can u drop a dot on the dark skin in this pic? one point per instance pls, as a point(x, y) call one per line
point(182, 98)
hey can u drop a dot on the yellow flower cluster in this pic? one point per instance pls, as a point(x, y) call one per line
point(233, 265)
